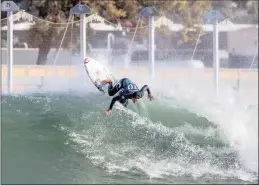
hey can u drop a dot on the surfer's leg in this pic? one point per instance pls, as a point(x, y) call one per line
point(112, 90)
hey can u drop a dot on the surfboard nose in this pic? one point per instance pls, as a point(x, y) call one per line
point(86, 60)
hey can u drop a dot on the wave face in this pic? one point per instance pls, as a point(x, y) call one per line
point(65, 137)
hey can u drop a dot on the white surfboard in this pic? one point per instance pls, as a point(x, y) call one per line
point(97, 73)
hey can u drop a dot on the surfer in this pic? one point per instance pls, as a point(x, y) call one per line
point(129, 90)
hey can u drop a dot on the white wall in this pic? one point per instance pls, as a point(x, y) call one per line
point(243, 41)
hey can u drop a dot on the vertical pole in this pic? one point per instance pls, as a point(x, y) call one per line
point(152, 45)
point(82, 36)
point(110, 39)
point(10, 51)
point(216, 54)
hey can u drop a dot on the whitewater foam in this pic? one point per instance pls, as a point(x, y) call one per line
point(130, 156)
point(233, 113)
point(228, 109)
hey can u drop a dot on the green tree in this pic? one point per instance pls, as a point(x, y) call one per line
point(43, 33)
point(191, 13)
point(113, 10)
point(56, 11)
point(186, 12)
point(53, 11)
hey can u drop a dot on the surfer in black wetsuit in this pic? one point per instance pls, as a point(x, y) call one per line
point(129, 90)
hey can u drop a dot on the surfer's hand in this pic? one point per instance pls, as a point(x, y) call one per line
point(150, 97)
point(108, 112)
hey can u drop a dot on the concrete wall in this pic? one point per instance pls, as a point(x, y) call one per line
point(70, 71)
point(29, 57)
point(26, 77)
point(243, 41)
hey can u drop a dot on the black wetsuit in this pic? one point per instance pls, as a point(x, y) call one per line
point(128, 88)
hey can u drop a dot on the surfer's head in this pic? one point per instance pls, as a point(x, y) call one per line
point(136, 96)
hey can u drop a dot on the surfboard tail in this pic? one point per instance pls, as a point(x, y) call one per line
point(98, 73)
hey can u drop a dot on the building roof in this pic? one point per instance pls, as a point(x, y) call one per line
point(98, 23)
point(20, 26)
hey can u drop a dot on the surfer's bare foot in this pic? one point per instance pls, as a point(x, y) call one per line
point(107, 81)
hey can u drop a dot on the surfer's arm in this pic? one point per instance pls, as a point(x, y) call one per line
point(145, 87)
point(116, 98)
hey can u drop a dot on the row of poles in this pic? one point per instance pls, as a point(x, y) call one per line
point(83, 10)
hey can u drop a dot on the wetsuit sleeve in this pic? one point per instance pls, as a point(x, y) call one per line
point(116, 98)
point(145, 87)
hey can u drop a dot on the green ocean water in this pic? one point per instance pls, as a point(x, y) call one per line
point(65, 137)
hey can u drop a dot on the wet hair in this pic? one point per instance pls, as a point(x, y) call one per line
point(137, 95)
